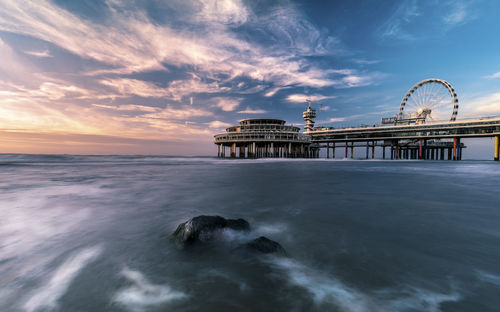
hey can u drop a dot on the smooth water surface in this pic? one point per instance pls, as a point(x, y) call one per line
point(92, 233)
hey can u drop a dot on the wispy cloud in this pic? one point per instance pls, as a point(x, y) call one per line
point(128, 107)
point(404, 14)
point(483, 106)
point(134, 75)
point(301, 98)
point(493, 76)
point(45, 53)
point(216, 124)
point(366, 62)
point(338, 119)
point(458, 13)
point(228, 104)
point(248, 110)
point(132, 43)
point(231, 12)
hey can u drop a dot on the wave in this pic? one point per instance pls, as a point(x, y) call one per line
point(329, 290)
point(143, 294)
point(46, 297)
point(488, 277)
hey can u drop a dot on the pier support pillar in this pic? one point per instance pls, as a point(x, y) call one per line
point(383, 152)
point(426, 151)
point(333, 151)
point(327, 150)
point(459, 149)
point(454, 148)
point(352, 149)
point(373, 149)
point(346, 149)
point(367, 149)
point(420, 149)
point(242, 151)
point(233, 150)
point(497, 147)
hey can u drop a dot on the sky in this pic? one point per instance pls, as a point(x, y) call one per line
point(162, 77)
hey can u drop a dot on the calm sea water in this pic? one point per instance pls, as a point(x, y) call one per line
point(91, 233)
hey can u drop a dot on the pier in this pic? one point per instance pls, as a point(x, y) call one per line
point(412, 133)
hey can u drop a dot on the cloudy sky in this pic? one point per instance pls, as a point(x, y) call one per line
point(161, 77)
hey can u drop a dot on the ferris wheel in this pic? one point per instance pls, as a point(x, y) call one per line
point(433, 99)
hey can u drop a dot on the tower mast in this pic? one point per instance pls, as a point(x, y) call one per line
point(309, 116)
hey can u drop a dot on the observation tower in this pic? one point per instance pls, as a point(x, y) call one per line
point(309, 116)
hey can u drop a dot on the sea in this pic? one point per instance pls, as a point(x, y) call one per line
point(94, 233)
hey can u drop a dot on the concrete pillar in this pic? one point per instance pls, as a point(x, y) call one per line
point(420, 147)
point(373, 149)
point(367, 149)
point(233, 150)
point(327, 150)
point(352, 149)
point(333, 151)
point(346, 149)
point(454, 148)
point(496, 146)
point(242, 151)
point(426, 154)
point(383, 152)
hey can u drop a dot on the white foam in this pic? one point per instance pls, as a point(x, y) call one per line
point(488, 277)
point(323, 288)
point(234, 236)
point(326, 289)
point(267, 229)
point(34, 221)
point(143, 294)
point(416, 299)
point(46, 297)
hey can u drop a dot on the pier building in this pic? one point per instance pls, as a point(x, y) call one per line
point(264, 137)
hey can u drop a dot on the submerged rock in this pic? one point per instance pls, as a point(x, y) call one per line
point(265, 245)
point(204, 228)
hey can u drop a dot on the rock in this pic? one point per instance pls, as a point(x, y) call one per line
point(204, 228)
point(265, 245)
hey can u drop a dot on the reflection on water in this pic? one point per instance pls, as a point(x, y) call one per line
point(91, 233)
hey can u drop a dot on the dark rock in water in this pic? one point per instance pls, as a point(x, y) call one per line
point(265, 245)
point(203, 228)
